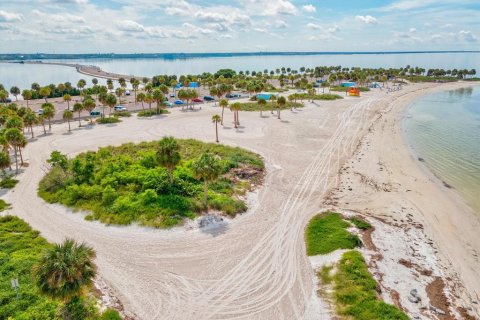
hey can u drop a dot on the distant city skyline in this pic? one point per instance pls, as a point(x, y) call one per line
point(147, 26)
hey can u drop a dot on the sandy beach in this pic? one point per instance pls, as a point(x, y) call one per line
point(347, 154)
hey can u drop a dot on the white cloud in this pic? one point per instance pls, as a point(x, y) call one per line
point(10, 16)
point(405, 5)
point(269, 7)
point(309, 8)
point(130, 26)
point(367, 19)
point(411, 30)
point(314, 26)
point(280, 24)
point(468, 36)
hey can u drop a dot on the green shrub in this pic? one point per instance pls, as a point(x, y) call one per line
point(322, 96)
point(110, 314)
point(360, 223)
point(327, 232)
point(125, 184)
point(4, 205)
point(253, 106)
point(355, 292)
point(151, 113)
point(123, 114)
point(343, 89)
point(8, 182)
point(108, 120)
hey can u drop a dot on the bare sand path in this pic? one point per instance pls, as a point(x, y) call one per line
point(254, 267)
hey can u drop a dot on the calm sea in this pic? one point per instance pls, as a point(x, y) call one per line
point(24, 75)
point(444, 129)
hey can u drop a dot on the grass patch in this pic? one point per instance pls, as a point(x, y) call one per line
point(108, 120)
point(327, 232)
point(150, 113)
point(20, 249)
point(343, 89)
point(322, 96)
point(253, 106)
point(8, 182)
point(3, 205)
point(325, 275)
point(125, 184)
point(360, 223)
point(355, 292)
point(123, 114)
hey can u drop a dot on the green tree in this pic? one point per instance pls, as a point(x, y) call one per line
point(15, 138)
point(89, 105)
point(159, 98)
point(168, 154)
point(236, 107)
point(216, 119)
point(48, 113)
point(66, 270)
point(207, 168)
point(45, 92)
point(14, 121)
point(30, 119)
point(110, 101)
point(68, 116)
point(78, 107)
point(67, 98)
point(141, 98)
point(15, 91)
point(223, 103)
point(4, 161)
point(281, 102)
point(27, 95)
point(261, 104)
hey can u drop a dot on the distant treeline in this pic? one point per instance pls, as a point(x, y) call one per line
point(180, 56)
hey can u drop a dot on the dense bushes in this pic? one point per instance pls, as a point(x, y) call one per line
point(108, 120)
point(126, 184)
point(343, 89)
point(151, 113)
point(253, 106)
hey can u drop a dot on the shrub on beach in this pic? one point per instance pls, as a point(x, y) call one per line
point(129, 183)
point(8, 182)
point(108, 120)
point(150, 113)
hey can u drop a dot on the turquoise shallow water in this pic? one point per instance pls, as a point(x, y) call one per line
point(444, 129)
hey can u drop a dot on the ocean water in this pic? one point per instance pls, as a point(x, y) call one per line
point(23, 75)
point(444, 129)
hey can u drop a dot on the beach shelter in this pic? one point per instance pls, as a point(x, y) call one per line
point(193, 85)
point(178, 86)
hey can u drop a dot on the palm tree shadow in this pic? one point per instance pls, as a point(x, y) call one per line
point(285, 121)
point(67, 133)
point(215, 228)
point(227, 128)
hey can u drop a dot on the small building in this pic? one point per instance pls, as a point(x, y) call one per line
point(348, 84)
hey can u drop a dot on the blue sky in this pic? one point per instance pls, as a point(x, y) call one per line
point(129, 26)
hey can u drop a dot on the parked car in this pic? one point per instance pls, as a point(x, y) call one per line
point(127, 93)
point(95, 113)
point(40, 112)
point(8, 100)
point(208, 98)
point(233, 95)
point(179, 102)
point(172, 95)
point(197, 100)
point(168, 104)
point(119, 108)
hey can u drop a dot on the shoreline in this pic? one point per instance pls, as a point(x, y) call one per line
point(412, 192)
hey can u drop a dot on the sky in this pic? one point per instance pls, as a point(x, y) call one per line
point(148, 26)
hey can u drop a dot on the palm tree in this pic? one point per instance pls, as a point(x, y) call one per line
point(66, 270)
point(81, 84)
point(45, 92)
point(158, 97)
point(29, 119)
point(223, 103)
point(15, 91)
point(168, 154)
point(48, 113)
point(14, 138)
point(89, 105)
point(135, 85)
point(78, 107)
point(141, 98)
point(216, 119)
point(67, 115)
point(183, 95)
point(4, 161)
point(149, 99)
point(111, 101)
point(235, 108)
point(27, 95)
point(281, 102)
point(67, 98)
point(261, 104)
point(207, 168)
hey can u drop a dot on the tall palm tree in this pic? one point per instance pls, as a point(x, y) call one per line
point(27, 95)
point(141, 98)
point(89, 105)
point(281, 102)
point(29, 119)
point(78, 107)
point(45, 92)
point(261, 104)
point(149, 99)
point(168, 154)
point(14, 138)
point(223, 103)
point(135, 85)
point(111, 101)
point(67, 98)
point(236, 107)
point(158, 97)
point(216, 119)
point(66, 270)
point(15, 91)
point(67, 115)
point(207, 168)
point(48, 113)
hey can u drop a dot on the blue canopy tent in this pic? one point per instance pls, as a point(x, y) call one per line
point(193, 85)
point(348, 84)
point(178, 86)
